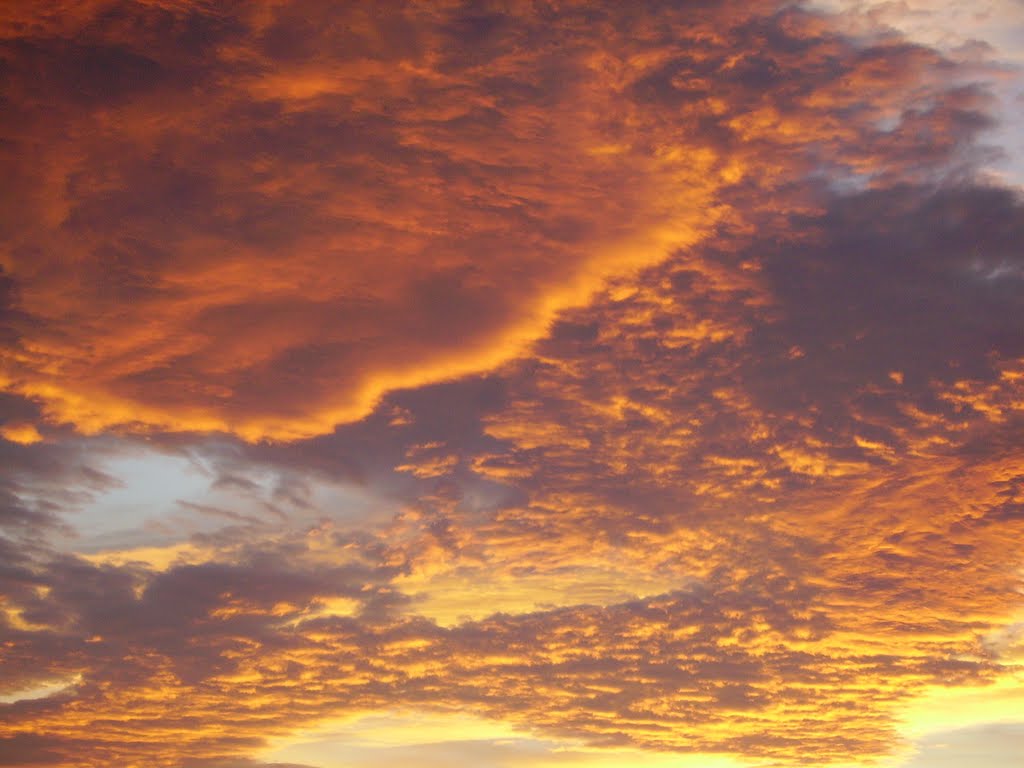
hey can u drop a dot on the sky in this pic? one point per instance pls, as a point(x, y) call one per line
point(511, 384)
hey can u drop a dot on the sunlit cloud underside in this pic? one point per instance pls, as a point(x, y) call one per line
point(512, 384)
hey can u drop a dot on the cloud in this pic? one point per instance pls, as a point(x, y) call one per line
point(998, 744)
point(244, 259)
point(28, 749)
point(738, 470)
point(790, 614)
point(235, 221)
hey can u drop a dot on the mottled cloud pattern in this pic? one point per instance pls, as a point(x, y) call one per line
point(256, 223)
point(639, 379)
point(251, 222)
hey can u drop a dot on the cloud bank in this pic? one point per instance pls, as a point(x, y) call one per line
point(673, 351)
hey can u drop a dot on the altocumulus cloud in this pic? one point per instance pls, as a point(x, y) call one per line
point(246, 220)
point(733, 463)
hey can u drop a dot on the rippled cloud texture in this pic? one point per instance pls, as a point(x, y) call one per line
point(513, 384)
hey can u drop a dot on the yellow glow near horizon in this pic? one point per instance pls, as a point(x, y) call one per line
point(378, 739)
point(947, 709)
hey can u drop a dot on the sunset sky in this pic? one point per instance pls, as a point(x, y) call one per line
point(511, 384)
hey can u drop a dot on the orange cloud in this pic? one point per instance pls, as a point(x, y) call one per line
point(745, 476)
point(241, 222)
point(20, 432)
point(266, 236)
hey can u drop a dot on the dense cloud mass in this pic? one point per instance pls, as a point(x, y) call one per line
point(262, 223)
point(640, 379)
point(259, 220)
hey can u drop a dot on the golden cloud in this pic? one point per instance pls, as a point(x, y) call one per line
point(242, 221)
point(752, 485)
